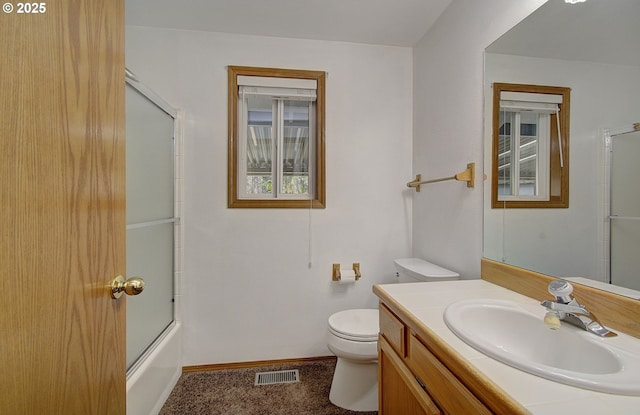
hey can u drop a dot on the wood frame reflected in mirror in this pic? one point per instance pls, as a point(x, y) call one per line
point(558, 175)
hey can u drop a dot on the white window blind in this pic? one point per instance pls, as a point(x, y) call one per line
point(289, 88)
point(265, 81)
point(292, 94)
point(527, 101)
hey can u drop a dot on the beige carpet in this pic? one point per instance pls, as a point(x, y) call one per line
point(232, 392)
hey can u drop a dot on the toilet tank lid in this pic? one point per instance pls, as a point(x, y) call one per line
point(417, 266)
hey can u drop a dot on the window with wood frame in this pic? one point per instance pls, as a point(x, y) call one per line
point(530, 167)
point(276, 156)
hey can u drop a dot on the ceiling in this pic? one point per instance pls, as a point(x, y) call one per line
point(595, 31)
point(605, 31)
point(380, 22)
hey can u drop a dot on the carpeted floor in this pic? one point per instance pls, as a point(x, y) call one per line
point(232, 392)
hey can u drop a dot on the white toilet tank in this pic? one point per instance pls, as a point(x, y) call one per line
point(419, 270)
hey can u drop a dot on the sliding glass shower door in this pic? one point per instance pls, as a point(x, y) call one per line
point(625, 210)
point(150, 217)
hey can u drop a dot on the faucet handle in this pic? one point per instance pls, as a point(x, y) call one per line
point(571, 307)
point(561, 289)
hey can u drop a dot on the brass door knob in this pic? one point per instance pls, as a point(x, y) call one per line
point(131, 286)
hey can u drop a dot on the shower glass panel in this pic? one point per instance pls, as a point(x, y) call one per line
point(625, 210)
point(150, 220)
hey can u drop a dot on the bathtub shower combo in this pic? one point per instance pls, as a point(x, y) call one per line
point(153, 234)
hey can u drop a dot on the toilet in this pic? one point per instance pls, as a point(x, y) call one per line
point(353, 338)
point(419, 270)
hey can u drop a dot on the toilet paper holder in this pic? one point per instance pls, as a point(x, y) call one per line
point(335, 276)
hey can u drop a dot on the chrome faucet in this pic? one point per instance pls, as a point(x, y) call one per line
point(569, 310)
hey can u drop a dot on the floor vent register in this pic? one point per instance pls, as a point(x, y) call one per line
point(280, 376)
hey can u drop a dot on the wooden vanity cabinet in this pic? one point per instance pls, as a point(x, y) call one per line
point(412, 380)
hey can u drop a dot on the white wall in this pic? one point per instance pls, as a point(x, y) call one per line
point(564, 242)
point(448, 127)
point(247, 291)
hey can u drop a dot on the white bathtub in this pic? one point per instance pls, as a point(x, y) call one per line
point(151, 381)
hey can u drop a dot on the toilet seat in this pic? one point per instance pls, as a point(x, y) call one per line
point(360, 325)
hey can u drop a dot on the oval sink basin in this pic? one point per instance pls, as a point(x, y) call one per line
point(507, 332)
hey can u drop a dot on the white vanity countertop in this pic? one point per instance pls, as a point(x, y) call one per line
point(427, 302)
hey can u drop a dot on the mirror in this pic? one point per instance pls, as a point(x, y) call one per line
point(590, 47)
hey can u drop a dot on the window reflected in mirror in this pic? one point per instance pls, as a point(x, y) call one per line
point(530, 146)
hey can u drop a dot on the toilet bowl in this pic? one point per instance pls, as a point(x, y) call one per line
point(353, 338)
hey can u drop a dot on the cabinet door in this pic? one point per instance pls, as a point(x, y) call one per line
point(393, 330)
point(399, 391)
point(450, 394)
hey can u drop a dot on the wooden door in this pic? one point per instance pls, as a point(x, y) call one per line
point(62, 161)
